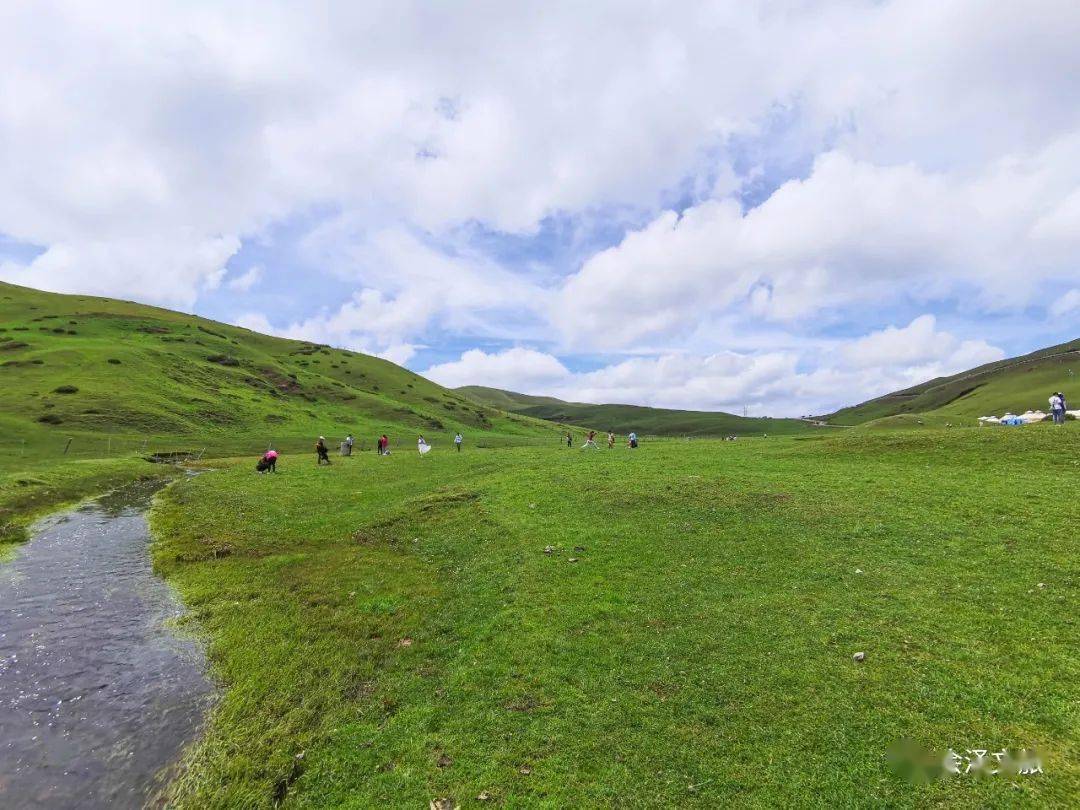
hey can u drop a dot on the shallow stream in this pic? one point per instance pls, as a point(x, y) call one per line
point(97, 696)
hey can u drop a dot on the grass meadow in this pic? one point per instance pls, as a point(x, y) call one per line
point(667, 627)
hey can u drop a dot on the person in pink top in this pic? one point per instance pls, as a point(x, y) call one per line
point(268, 462)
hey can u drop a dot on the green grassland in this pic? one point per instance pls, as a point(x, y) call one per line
point(1017, 385)
point(124, 378)
point(389, 631)
point(643, 420)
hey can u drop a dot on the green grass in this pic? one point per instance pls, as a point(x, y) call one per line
point(698, 653)
point(1017, 384)
point(643, 420)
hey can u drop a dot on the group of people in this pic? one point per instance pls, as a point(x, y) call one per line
point(590, 440)
point(268, 461)
point(1058, 407)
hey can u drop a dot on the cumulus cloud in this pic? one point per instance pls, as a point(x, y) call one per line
point(163, 269)
point(414, 288)
point(917, 344)
point(519, 369)
point(246, 280)
point(851, 232)
point(828, 159)
point(1067, 304)
point(773, 383)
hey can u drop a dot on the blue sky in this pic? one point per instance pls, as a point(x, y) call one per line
point(782, 206)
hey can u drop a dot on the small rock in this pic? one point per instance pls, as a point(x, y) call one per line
point(442, 804)
point(549, 549)
point(484, 796)
point(525, 770)
point(579, 548)
point(572, 559)
point(405, 642)
point(858, 657)
point(532, 505)
point(1041, 585)
point(858, 570)
point(301, 755)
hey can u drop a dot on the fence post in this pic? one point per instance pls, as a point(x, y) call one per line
point(66, 446)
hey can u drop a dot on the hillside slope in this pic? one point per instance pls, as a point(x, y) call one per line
point(1016, 384)
point(85, 366)
point(624, 418)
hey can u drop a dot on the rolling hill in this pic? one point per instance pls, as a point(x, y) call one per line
point(624, 418)
point(1017, 384)
point(85, 367)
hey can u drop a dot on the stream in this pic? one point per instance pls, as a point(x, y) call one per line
point(97, 696)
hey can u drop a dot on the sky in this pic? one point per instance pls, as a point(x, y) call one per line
point(778, 207)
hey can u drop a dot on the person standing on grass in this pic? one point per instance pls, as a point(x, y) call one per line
point(321, 453)
point(422, 445)
point(631, 440)
point(385, 445)
point(610, 440)
point(457, 441)
point(590, 441)
point(569, 439)
point(1057, 407)
point(349, 441)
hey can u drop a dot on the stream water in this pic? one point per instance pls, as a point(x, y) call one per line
point(97, 696)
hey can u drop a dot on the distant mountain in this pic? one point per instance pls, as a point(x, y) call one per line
point(1017, 384)
point(80, 365)
point(624, 418)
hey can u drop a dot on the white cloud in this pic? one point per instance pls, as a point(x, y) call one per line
point(163, 269)
point(919, 343)
point(245, 281)
point(851, 232)
point(518, 369)
point(913, 164)
point(767, 383)
point(1066, 304)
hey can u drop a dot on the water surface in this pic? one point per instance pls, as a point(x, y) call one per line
point(97, 696)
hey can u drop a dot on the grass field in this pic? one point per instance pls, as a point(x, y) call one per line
point(543, 627)
point(390, 631)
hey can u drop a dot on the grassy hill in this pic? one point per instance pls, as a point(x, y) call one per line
point(1017, 384)
point(624, 418)
point(112, 373)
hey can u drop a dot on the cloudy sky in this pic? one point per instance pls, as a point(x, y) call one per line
point(783, 205)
